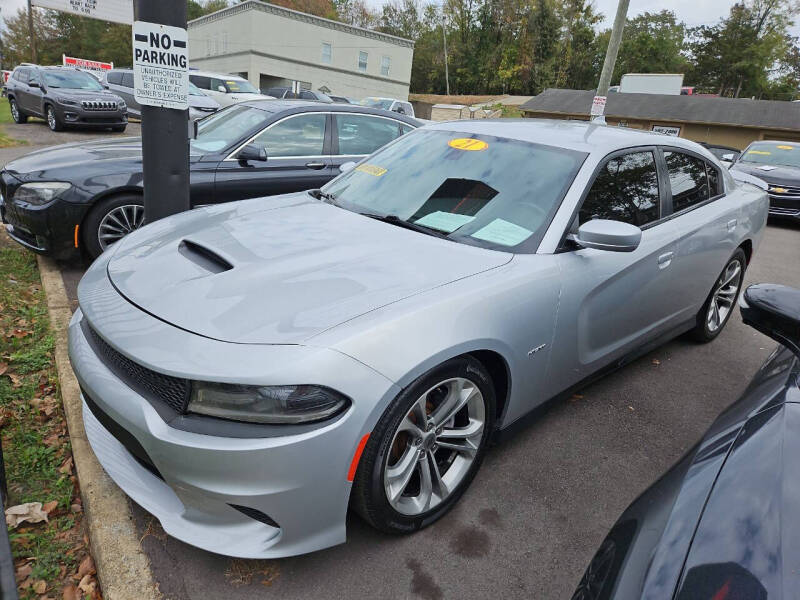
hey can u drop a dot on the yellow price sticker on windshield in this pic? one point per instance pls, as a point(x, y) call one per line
point(470, 144)
point(371, 170)
point(785, 147)
point(764, 152)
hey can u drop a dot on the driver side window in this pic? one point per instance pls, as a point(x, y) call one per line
point(626, 189)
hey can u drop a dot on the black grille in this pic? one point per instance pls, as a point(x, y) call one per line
point(778, 202)
point(99, 105)
point(171, 390)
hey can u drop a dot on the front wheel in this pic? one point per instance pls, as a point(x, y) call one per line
point(426, 448)
point(16, 114)
point(53, 122)
point(110, 221)
point(722, 300)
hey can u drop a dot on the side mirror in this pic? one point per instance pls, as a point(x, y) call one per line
point(729, 157)
point(222, 88)
point(348, 166)
point(774, 310)
point(252, 152)
point(604, 234)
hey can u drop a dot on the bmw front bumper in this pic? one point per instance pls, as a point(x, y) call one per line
point(291, 489)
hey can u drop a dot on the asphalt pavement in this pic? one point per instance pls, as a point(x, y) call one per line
point(542, 501)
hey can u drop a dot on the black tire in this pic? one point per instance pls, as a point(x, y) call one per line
point(53, 122)
point(704, 331)
point(16, 113)
point(369, 496)
point(118, 128)
point(90, 228)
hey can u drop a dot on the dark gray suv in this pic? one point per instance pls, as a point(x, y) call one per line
point(64, 97)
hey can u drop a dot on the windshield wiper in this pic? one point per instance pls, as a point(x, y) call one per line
point(324, 196)
point(395, 220)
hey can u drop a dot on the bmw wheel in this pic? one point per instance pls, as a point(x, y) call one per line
point(721, 301)
point(53, 121)
point(110, 221)
point(16, 113)
point(426, 448)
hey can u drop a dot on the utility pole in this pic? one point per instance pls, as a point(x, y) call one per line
point(444, 38)
point(609, 62)
point(31, 33)
point(165, 132)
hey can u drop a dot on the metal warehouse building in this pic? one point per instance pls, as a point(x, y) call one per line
point(274, 46)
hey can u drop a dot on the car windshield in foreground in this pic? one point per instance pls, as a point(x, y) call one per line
point(778, 154)
point(72, 80)
point(226, 127)
point(475, 189)
point(383, 103)
point(240, 86)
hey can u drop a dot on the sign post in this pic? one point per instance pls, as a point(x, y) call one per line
point(161, 86)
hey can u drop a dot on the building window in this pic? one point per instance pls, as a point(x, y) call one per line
point(385, 64)
point(362, 61)
point(326, 53)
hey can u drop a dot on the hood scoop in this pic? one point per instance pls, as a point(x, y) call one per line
point(203, 257)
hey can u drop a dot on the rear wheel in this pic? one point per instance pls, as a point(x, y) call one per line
point(721, 301)
point(426, 448)
point(16, 113)
point(53, 122)
point(110, 221)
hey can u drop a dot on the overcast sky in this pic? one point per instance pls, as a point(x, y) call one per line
point(692, 12)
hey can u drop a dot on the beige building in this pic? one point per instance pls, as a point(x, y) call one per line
point(274, 46)
point(731, 122)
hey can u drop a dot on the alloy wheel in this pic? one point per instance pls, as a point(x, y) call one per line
point(118, 223)
point(14, 110)
point(724, 296)
point(434, 446)
point(51, 118)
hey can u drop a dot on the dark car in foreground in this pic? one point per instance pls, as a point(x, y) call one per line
point(777, 163)
point(89, 195)
point(724, 522)
point(64, 97)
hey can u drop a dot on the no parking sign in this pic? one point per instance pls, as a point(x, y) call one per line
point(160, 65)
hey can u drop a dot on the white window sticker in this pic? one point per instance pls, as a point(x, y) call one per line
point(444, 221)
point(502, 232)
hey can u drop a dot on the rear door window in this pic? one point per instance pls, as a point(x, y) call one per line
point(127, 80)
point(114, 77)
point(688, 180)
point(204, 83)
point(626, 189)
point(303, 135)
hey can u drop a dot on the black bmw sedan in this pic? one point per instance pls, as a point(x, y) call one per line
point(777, 163)
point(87, 196)
point(724, 522)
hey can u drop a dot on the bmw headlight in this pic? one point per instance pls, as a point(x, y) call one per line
point(266, 404)
point(40, 193)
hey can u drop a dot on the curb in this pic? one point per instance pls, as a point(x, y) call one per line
point(122, 566)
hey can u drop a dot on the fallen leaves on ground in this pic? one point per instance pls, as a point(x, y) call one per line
point(242, 572)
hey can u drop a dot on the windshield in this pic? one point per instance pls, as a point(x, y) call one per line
point(772, 153)
point(478, 189)
point(240, 86)
point(194, 90)
point(383, 103)
point(226, 127)
point(73, 80)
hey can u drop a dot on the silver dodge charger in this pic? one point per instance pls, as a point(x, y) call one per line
point(250, 371)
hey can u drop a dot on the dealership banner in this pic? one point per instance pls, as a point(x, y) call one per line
point(83, 63)
point(118, 11)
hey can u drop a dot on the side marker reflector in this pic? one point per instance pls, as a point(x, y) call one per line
point(351, 474)
point(76, 235)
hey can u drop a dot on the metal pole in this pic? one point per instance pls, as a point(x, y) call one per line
point(31, 33)
point(613, 50)
point(444, 37)
point(165, 132)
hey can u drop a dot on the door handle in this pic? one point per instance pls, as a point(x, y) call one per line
point(315, 165)
point(665, 259)
point(731, 224)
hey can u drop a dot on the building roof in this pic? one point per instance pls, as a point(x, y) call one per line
point(742, 112)
point(300, 16)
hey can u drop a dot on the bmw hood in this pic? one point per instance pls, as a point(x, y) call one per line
point(280, 270)
point(48, 161)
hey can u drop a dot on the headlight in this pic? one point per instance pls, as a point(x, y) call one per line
point(41, 192)
point(266, 404)
point(68, 101)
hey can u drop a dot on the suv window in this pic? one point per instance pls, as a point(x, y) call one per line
point(22, 75)
point(204, 83)
point(688, 180)
point(626, 189)
point(302, 135)
point(127, 80)
point(114, 77)
point(363, 134)
point(33, 77)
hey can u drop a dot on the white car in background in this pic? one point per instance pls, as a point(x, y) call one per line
point(225, 89)
point(392, 104)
